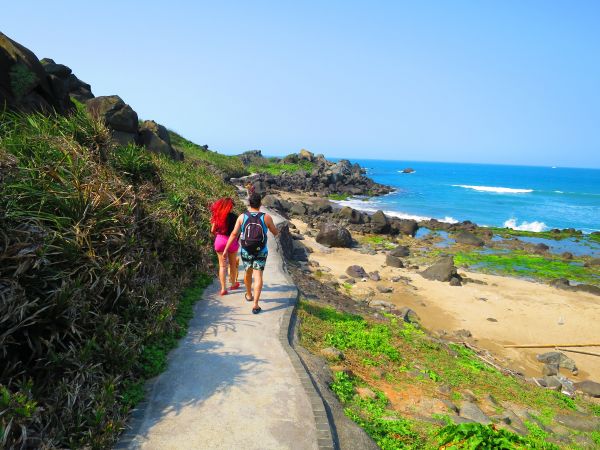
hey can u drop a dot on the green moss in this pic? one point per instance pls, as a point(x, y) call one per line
point(376, 240)
point(277, 168)
point(400, 350)
point(559, 235)
point(519, 263)
point(339, 196)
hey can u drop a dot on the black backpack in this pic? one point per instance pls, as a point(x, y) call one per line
point(254, 237)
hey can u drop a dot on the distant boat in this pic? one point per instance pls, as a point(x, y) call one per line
point(554, 167)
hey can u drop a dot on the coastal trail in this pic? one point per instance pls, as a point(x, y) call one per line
point(234, 382)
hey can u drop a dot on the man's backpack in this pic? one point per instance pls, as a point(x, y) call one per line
point(254, 236)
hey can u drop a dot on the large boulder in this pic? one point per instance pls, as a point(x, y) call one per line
point(320, 206)
point(442, 270)
point(65, 83)
point(393, 261)
point(400, 251)
point(379, 223)
point(116, 114)
point(356, 272)
point(559, 359)
point(351, 215)
point(406, 227)
point(468, 238)
point(155, 138)
point(306, 155)
point(334, 235)
point(589, 387)
point(24, 84)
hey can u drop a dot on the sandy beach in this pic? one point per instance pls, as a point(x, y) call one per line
point(499, 311)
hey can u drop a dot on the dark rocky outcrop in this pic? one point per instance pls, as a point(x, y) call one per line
point(380, 223)
point(468, 238)
point(356, 272)
point(334, 235)
point(326, 177)
point(65, 83)
point(155, 138)
point(393, 261)
point(589, 387)
point(407, 227)
point(564, 284)
point(559, 359)
point(400, 251)
point(351, 215)
point(119, 117)
point(24, 84)
point(442, 270)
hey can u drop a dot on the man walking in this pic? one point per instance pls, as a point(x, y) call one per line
point(253, 226)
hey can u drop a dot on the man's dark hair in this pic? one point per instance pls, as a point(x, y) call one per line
point(254, 200)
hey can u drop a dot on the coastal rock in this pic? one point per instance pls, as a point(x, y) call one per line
point(567, 255)
point(550, 370)
point(379, 223)
point(442, 270)
point(351, 215)
point(356, 272)
point(305, 155)
point(541, 248)
point(592, 262)
point(454, 281)
point(65, 84)
point(155, 138)
point(320, 206)
point(400, 251)
point(270, 201)
point(374, 276)
point(384, 289)
point(393, 261)
point(115, 113)
point(334, 235)
point(405, 227)
point(408, 170)
point(563, 283)
point(252, 157)
point(470, 410)
point(298, 209)
point(381, 304)
point(468, 238)
point(559, 359)
point(578, 421)
point(588, 387)
point(408, 315)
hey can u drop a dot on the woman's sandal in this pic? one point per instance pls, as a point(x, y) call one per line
point(224, 292)
point(235, 286)
point(256, 310)
point(251, 299)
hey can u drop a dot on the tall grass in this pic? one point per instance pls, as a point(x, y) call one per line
point(96, 245)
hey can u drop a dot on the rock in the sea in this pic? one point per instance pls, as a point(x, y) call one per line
point(588, 387)
point(400, 251)
point(393, 261)
point(155, 138)
point(408, 170)
point(379, 223)
point(468, 238)
point(559, 359)
point(356, 272)
point(332, 353)
point(442, 270)
point(540, 248)
point(470, 410)
point(334, 235)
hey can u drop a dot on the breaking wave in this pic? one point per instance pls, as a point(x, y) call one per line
point(498, 190)
point(371, 207)
point(526, 226)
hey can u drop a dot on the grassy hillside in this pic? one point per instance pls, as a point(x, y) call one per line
point(402, 386)
point(229, 166)
point(102, 253)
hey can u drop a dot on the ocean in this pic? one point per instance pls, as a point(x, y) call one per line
point(519, 197)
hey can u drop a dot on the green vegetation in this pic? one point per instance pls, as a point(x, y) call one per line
point(339, 196)
point(22, 80)
point(556, 235)
point(277, 168)
point(377, 240)
point(519, 263)
point(97, 245)
point(229, 166)
point(399, 363)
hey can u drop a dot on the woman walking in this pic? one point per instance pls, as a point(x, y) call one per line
point(222, 224)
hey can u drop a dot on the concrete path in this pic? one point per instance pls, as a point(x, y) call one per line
point(233, 383)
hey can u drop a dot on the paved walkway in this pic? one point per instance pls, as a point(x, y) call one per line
point(233, 383)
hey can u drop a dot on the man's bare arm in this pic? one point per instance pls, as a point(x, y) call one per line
point(271, 225)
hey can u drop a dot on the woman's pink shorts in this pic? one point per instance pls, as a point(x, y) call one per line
point(221, 242)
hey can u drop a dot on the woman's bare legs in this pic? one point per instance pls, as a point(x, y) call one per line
point(222, 271)
point(233, 268)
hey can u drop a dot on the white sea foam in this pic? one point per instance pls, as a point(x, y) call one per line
point(370, 206)
point(498, 190)
point(525, 226)
point(558, 192)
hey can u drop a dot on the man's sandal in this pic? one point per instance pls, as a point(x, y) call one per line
point(256, 310)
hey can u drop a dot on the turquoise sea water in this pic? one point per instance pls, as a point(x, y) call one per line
point(520, 197)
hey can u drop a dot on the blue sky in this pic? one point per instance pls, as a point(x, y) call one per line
point(508, 82)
